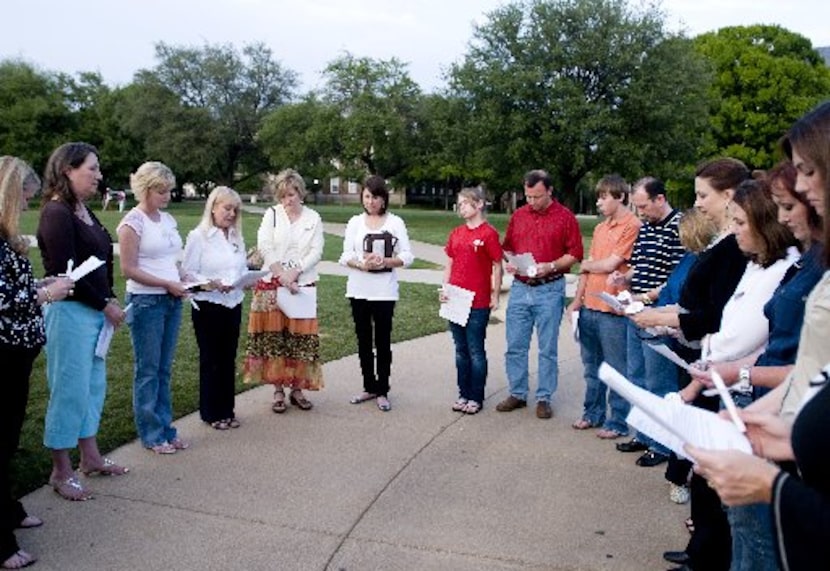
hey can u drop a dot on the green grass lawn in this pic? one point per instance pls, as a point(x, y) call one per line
point(32, 464)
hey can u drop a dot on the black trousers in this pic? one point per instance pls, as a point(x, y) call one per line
point(217, 334)
point(710, 547)
point(373, 327)
point(17, 367)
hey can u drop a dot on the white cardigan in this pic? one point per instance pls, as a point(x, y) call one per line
point(273, 240)
point(744, 328)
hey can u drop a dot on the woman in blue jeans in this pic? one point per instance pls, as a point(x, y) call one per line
point(474, 264)
point(150, 246)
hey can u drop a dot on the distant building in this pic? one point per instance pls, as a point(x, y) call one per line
point(825, 53)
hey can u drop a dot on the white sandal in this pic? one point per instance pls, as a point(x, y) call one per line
point(458, 406)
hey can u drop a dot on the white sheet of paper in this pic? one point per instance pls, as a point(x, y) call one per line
point(668, 354)
point(674, 424)
point(300, 305)
point(522, 262)
point(611, 300)
point(102, 347)
point(90, 265)
point(458, 304)
point(249, 278)
point(575, 325)
point(726, 397)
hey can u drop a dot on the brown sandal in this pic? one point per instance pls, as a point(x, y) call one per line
point(297, 398)
point(279, 402)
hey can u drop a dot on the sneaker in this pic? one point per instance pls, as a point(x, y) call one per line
point(510, 403)
point(679, 494)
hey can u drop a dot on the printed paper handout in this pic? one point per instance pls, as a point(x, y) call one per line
point(102, 347)
point(673, 423)
point(458, 304)
point(525, 263)
point(90, 265)
point(300, 305)
point(249, 278)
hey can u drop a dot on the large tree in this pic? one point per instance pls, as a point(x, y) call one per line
point(213, 98)
point(581, 86)
point(765, 78)
point(34, 116)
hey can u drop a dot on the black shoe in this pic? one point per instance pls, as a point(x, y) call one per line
point(681, 568)
point(651, 458)
point(632, 445)
point(679, 557)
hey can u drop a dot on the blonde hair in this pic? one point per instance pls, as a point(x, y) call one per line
point(696, 230)
point(15, 175)
point(222, 194)
point(286, 180)
point(151, 175)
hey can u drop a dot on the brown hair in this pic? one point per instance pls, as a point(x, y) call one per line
point(810, 136)
point(614, 185)
point(376, 185)
point(724, 173)
point(783, 176)
point(56, 185)
point(755, 198)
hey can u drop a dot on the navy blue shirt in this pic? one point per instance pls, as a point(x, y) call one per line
point(785, 309)
point(656, 252)
point(670, 294)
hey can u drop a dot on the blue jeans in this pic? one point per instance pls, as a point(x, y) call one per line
point(154, 328)
point(602, 337)
point(540, 306)
point(649, 370)
point(470, 354)
point(753, 538)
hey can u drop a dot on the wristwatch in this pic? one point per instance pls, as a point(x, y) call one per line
point(744, 379)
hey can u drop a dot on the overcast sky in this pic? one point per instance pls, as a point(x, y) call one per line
point(116, 37)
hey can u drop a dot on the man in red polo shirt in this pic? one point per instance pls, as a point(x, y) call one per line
point(550, 232)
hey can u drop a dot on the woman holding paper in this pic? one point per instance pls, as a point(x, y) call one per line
point(376, 243)
point(150, 247)
point(21, 338)
point(69, 234)
point(474, 264)
point(215, 250)
point(284, 350)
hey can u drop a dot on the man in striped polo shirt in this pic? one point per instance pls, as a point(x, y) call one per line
point(656, 252)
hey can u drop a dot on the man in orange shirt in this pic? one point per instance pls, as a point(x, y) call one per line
point(602, 332)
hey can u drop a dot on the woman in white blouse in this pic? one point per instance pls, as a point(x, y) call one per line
point(376, 243)
point(215, 253)
point(285, 351)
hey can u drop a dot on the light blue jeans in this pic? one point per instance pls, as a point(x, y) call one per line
point(602, 337)
point(528, 307)
point(651, 371)
point(470, 354)
point(154, 328)
point(77, 378)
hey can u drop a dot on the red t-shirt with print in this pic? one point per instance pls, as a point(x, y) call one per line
point(473, 252)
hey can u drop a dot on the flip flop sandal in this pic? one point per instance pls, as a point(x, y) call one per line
point(690, 524)
point(18, 560)
point(362, 397)
point(582, 424)
point(71, 489)
point(107, 468)
point(29, 522)
point(233, 423)
point(219, 425)
point(384, 405)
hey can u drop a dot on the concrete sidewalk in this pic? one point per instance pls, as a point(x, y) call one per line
point(347, 487)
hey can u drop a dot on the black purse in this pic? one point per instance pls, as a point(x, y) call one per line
point(382, 244)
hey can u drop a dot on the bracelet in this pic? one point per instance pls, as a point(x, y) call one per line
point(48, 294)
